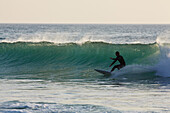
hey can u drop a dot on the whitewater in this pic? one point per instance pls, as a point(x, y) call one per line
point(50, 68)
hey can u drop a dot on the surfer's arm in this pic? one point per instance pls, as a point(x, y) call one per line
point(112, 58)
point(113, 62)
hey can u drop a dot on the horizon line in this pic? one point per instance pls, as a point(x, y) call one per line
point(82, 23)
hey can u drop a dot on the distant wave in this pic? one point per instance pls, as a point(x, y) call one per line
point(77, 40)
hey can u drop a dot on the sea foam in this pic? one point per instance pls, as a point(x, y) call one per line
point(164, 62)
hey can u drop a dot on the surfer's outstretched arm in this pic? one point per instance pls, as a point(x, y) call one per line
point(115, 59)
point(112, 58)
point(112, 63)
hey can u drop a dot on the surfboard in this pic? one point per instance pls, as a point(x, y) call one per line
point(103, 72)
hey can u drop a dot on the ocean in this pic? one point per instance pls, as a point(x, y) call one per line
point(49, 68)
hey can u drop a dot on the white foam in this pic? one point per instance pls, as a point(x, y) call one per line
point(163, 38)
point(163, 66)
point(132, 71)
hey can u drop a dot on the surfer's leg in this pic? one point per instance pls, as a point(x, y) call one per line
point(113, 69)
point(116, 66)
point(120, 66)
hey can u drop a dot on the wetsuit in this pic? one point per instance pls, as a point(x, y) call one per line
point(121, 65)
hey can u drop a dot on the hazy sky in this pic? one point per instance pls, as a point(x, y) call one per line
point(85, 11)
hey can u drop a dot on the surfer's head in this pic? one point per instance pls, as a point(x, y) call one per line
point(117, 53)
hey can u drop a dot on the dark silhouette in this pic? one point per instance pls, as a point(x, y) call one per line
point(120, 59)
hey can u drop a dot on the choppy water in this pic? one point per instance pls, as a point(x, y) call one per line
point(50, 68)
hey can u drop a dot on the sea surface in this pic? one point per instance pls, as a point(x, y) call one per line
point(49, 68)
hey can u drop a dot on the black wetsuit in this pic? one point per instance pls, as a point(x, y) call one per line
point(121, 65)
point(121, 60)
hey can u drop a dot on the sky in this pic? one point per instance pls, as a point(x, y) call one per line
point(85, 11)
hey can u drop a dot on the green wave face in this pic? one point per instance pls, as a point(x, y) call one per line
point(69, 60)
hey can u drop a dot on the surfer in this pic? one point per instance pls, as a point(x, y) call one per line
point(120, 59)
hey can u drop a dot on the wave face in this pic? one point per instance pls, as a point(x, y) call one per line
point(33, 58)
point(74, 51)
